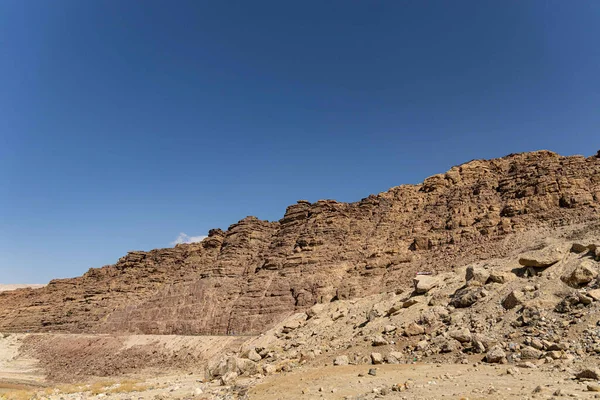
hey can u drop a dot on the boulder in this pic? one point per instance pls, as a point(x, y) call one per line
point(269, 369)
point(228, 378)
point(450, 345)
point(376, 358)
point(412, 301)
point(467, 296)
point(585, 272)
point(543, 258)
point(589, 373)
point(246, 367)
point(414, 329)
point(529, 353)
point(477, 274)
point(294, 322)
point(513, 299)
point(394, 357)
point(253, 355)
point(462, 335)
point(594, 294)
point(500, 277)
point(424, 283)
point(341, 360)
point(315, 310)
point(495, 355)
point(379, 341)
point(555, 354)
point(537, 344)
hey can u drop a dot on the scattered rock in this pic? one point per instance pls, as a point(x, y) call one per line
point(394, 357)
point(341, 360)
point(527, 364)
point(253, 355)
point(467, 296)
point(542, 258)
point(379, 341)
point(269, 369)
point(594, 294)
point(513, 299)
point(424, 283)
point(477, 274)
point(593, 388)
point(228, 378)
point(495, 355)
point(462, 335)
point(414, 329)
point(583, 274)
point(529, 353)
point(376, 358)
point(589, 373)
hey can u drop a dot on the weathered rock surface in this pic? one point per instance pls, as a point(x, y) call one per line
point(255, 273)
point(425, 283)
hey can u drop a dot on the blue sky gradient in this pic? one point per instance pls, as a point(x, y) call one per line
point(125, 123)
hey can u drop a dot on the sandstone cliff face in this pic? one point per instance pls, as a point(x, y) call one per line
point(247, 278)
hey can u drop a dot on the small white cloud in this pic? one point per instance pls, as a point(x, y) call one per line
point(184, 238)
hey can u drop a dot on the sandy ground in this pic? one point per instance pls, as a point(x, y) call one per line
point(424, 381)
point(21, 377)
point(17, 372)
point(419, 382)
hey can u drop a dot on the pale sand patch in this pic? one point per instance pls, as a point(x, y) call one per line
point(5, 288)
point(16, 368)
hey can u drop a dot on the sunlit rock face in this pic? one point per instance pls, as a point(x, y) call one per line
point(255, 273)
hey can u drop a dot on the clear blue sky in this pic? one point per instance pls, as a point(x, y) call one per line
point(125, 123)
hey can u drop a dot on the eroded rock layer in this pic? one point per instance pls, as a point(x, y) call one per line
point(247, 278)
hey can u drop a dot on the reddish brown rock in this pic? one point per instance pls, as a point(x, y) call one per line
point(250, 276)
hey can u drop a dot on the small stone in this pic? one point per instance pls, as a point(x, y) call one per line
point(527, 364)
point(373, 371)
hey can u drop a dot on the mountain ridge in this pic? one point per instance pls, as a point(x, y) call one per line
point(247, 278)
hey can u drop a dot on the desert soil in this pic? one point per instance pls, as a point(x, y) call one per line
point(420, 381)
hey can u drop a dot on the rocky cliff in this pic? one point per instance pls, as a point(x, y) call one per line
point(249, 277)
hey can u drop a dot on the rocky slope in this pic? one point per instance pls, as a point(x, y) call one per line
point(523, 326)
point(249, 277)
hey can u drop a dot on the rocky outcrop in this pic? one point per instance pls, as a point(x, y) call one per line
point(247, 278)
